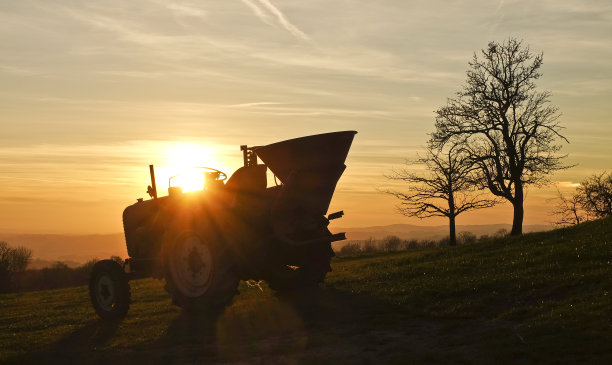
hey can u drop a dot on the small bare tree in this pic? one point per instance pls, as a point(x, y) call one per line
point(12, 260)
point(592, 199)
point(595, 194)
point(569, 211)
point(445, 189)
point(509, 129)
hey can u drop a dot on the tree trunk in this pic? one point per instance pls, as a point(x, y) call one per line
point(452, 235)
point(517, 222)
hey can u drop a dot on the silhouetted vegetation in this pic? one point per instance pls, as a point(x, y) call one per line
point(446, 189)
point(466, 237)
point(592, 199)
point(395, 244)
point(568, 211)
point(13, 260)
point(595, 194)
point(508, 129)
point(58, 275)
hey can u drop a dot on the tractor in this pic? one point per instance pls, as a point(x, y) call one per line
point(204, 242)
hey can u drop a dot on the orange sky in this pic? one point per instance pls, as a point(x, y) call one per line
point(94, 92)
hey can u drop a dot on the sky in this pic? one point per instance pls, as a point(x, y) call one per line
point(91, 93)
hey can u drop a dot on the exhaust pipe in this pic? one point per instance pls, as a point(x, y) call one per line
point(152, 189)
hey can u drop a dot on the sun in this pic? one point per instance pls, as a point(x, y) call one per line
point(181, 162)
point(189, 181)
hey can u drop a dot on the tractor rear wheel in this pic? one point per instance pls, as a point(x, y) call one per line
point(199, 274)
point(109, 290)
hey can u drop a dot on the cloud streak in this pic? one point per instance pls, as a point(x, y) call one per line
point(271, 15)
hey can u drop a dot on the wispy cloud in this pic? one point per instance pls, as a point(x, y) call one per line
point(255, 104)
point(125, 31)
point(185, 10)
point(20, 71)
point(567, 184)
point(271, 15)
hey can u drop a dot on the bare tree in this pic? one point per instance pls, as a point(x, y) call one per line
point(444, 189)
point(595, 194)
point(569, 211)
point(12, 260)
point(509, 129)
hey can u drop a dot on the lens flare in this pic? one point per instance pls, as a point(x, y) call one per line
point(189, 181)
point(180, 160)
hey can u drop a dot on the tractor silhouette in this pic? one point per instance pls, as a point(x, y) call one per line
point(204, 242)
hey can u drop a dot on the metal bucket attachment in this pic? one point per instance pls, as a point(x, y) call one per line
point(309, 167)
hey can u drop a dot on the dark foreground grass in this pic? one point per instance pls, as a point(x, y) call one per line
point(539, 298)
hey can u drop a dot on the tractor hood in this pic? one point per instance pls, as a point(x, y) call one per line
point(310, 166)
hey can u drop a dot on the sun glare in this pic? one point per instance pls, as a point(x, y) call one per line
point(190, 181)
point(180, 162)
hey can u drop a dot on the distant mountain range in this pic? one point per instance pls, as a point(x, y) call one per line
point(77, 249)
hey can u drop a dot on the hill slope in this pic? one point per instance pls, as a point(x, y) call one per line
point(540, 298)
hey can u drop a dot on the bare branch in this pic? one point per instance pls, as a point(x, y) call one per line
point(568, 211)
point(595, 194)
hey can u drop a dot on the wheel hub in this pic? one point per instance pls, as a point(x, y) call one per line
point(195, 262)
point(105, 292)
point(191, 265)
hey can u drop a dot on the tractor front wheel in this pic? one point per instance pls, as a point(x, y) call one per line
point(109, 290)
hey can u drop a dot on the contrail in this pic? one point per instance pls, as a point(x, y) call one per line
point(264, 14)
point(500, 4)
point(258, 12)
point(284, 21)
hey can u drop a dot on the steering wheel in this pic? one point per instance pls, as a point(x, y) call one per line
point(222, 175)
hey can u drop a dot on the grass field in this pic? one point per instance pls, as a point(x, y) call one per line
point(540, 298)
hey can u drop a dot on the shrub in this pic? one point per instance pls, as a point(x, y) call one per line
point(428, 243)
point(392, 243)
point(444, 242)
point(13, 260)
point(59, 275)
point(466, 237)
point(412, 244)
point(370, 246)
point(502, 232)
point(351, 248)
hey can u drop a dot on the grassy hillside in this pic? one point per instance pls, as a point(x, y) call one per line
point(540, 298)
